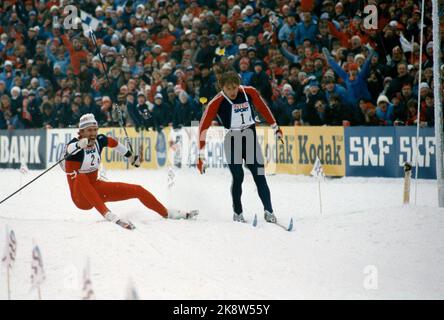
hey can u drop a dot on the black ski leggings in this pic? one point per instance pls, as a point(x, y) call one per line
point(242, 146)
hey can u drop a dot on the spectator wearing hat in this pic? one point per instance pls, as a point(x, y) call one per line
point(161, 112)
point(332, 88)
point(243, 53)
point(211, 23)
point(207, 82)
point(366, 115)
point(205, 54)
point(8, 74)
point(185, 111)
point(288, 30)
point(284, 106)
point(423, 89)
point(261, 81)
point(355, 80)
point(310, 113)
point(384, 111)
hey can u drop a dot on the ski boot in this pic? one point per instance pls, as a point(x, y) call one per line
point(239, 217)
point(270, 217)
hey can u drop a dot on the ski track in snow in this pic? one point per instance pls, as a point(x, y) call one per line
point(362, 224)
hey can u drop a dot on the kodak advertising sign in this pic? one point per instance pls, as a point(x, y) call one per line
point(301, 146)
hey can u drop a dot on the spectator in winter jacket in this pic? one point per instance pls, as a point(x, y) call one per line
point(384, 111)
point(366, 115)
point(284, 110)
point(307, 29)
point(207, 83)
point(355, 80)
point(140, 114)
point(161, 112)
point(338, 112)
point(288, 30)
point(331, 88)
point(77, 54)
point(8, 74)
point(185, 111)
point(205, 53)
point(49, 117)
point(310, 114)
point(429, 110)
point(261, 81)
point(397, 83)
point(245, 72)
point(3, 123)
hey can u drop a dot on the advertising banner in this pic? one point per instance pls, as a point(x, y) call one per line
point(23, 146)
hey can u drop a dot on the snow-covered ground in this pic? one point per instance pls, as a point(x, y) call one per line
point(366, 245)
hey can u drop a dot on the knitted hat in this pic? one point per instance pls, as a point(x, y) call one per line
point(87, 120)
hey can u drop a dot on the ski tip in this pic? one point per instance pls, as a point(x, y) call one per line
point(255, 221)
point(290, 226)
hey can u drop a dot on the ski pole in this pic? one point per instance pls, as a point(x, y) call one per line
point(105, 70)
point(63, 159)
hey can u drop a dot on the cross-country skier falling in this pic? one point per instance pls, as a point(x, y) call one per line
point(87, 191)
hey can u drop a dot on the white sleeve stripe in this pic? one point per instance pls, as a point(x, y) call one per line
point(71, 147)
point(120, 148)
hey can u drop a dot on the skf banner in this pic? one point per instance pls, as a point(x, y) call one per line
point(23, 146)
point(155, 148)
point(406, 149)
point(382, 151)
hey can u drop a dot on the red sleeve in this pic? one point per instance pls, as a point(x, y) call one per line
point(112, 143)
point(208, 116)
point(341, 36)
point(67, 43)
point(260, 104)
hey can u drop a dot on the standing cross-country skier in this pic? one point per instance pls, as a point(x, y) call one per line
point(87, 191)
point(234, 106)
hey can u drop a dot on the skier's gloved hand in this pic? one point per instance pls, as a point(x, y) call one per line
point(134, 159)
point(82, 143)
point(201, 162)
point(277, 132)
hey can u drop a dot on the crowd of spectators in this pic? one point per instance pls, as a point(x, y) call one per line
point(315, 62)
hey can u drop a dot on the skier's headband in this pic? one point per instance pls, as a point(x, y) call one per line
point(88, 123)
point(87, 120)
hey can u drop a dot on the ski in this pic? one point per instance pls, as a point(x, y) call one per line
point(288, 228)
point(191, 214)
point(126, 224)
